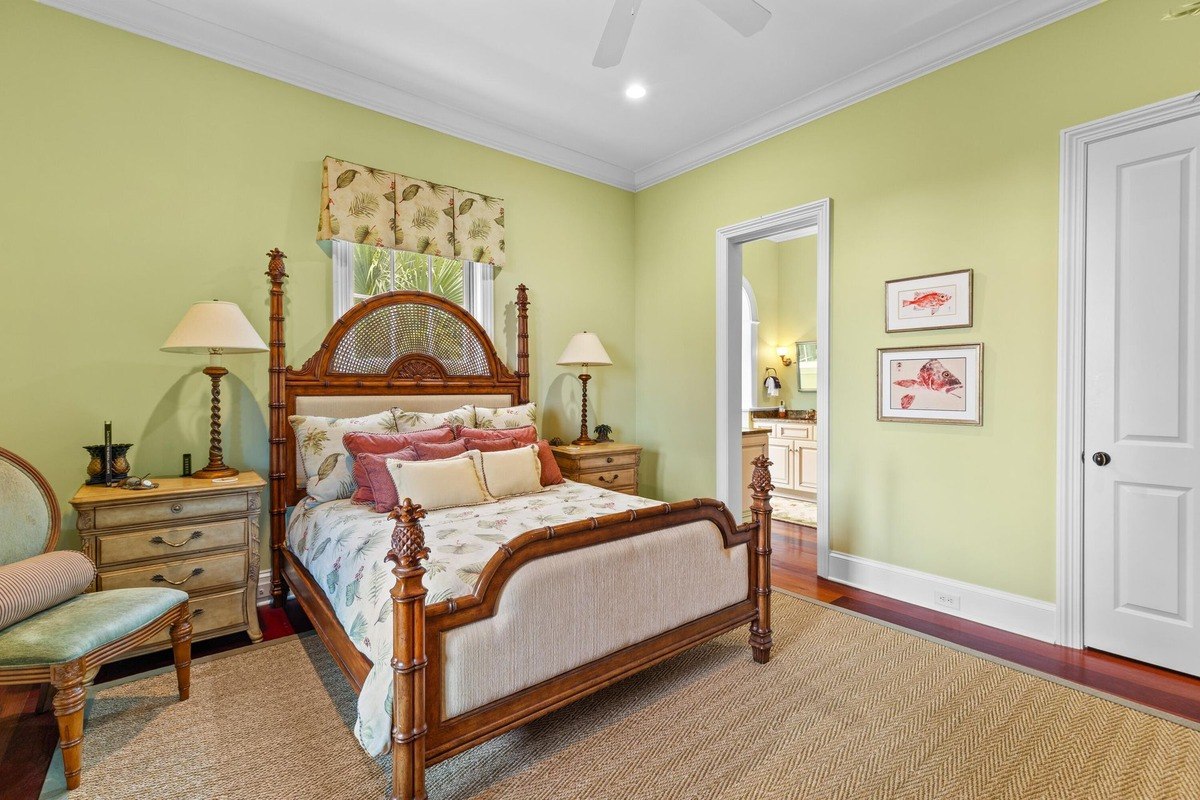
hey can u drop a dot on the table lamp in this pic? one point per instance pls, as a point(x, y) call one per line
point(584, 350)
point(214, 328)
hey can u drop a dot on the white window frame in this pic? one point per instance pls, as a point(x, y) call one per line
point(749, 347)
point(478, 285)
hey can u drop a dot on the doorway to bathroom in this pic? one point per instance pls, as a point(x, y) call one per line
point(773, 364)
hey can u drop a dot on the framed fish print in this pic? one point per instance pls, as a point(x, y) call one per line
point(931, 384)
point(929, 302)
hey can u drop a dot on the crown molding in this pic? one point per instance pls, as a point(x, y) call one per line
point(996, 27)
point(178, 29)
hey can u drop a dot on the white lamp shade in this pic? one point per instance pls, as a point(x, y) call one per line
point(584, 349)
point(214, 325)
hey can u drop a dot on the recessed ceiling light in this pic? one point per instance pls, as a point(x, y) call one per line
point(635, 91)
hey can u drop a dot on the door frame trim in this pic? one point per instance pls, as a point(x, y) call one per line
point(1071, 309)
point(729, 332)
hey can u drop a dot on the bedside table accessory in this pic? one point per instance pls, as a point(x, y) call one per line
point(72, 634)
point(187, 465)
point(602, 433)
point(584, 350)
point(101, 470)
point(215, 328)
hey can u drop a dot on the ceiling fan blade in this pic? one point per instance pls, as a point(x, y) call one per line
point(616, 33)
point(745, 16)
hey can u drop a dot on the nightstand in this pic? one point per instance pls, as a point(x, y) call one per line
point(609, 465)
point(195, 535)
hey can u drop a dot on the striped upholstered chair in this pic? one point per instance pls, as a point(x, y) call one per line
point(52, 632)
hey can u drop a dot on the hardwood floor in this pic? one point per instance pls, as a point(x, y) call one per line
point(28, 738)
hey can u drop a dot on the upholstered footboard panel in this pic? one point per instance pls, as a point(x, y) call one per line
point(563, 611)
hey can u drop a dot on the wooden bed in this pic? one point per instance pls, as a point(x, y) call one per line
point(352, 363)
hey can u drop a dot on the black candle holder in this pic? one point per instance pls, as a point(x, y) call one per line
point(96, 467)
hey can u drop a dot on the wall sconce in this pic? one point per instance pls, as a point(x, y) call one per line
point(782, 353)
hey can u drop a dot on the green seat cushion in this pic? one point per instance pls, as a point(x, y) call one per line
point(82, 624)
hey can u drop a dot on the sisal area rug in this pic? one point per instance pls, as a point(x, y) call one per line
point(846, 709)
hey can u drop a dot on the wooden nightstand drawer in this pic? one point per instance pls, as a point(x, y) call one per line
point(125, 515)
point(213, 612)
point(162, 543)
point(603, 462)
point(191, 575)
point(610, 478)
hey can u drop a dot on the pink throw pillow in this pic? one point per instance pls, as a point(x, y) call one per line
point(490, 445)
point(525, 435)
point(551, 474)
point(358, 444)
point(432, 452)
point(377, 481)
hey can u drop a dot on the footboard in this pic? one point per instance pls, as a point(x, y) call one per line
point(423, 734)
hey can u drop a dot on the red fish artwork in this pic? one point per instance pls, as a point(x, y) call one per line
point(930, 300)
point(907, 401)
point(933, 376)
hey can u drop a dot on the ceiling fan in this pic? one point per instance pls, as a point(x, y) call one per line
point(745, 16)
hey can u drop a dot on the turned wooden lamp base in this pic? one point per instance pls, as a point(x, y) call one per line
point(216, 460)
point(584, 440)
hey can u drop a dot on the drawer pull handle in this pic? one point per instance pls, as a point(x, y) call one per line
point(161, 540)
point(163, 579)
point(197, 612)
point(608, 460)
point(177, 508)
point(613, 479)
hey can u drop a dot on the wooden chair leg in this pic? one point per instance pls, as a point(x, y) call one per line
point(69, 700)
point(181, 645)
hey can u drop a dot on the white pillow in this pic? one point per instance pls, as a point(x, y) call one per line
point(323, 456)
point(510, 472)
point(424, 420)
point(501, 418)
point(444, 483)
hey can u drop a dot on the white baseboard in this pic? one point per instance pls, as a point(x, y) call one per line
point(1010, 612)
point(263, 596)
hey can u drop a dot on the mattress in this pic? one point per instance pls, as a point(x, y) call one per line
point(343, 546)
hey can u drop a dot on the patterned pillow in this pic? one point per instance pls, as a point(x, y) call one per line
point(43, 581)
point(423, 420)
point(511, 417)
point(323, 454)
point(360, 444)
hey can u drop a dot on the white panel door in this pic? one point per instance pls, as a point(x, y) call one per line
point(1142, 412)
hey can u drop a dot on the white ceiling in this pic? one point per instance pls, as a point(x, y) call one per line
point(517, 75)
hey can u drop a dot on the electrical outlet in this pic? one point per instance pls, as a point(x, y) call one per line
point(947, 600)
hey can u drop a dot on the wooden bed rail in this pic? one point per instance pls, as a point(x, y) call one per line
point(409, 612)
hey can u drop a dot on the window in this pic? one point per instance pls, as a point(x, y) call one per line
point(749, 347)
point(361, 271)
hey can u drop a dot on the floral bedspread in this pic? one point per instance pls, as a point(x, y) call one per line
point(343, 545)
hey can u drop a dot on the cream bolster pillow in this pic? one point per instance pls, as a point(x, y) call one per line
point(44, 581)
point(510, 472)
point(444, 483)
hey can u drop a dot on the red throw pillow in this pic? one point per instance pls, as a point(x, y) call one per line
point(432, 452)
point(358, 444)
point(491, 445)
point(377, 481)
point(525, 435)
point(551, 474)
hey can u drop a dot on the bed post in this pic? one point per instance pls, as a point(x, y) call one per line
point(408, 653)
point(760, 509)
point(277, 413)
point(523, 342)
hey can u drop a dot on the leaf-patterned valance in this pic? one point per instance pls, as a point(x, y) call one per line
point(373, 206)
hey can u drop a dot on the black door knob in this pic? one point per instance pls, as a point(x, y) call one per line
point(1101, 459)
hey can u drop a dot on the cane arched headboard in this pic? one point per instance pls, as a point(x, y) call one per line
point(404, 348)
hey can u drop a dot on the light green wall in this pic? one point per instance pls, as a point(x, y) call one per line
point(956, 169)
point(141, 178)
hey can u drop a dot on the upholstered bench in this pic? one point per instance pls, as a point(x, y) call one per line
point(53, 633)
